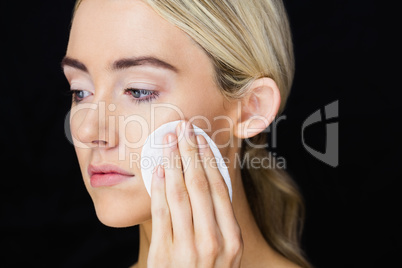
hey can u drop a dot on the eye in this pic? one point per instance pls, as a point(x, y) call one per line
point(137, 93)
point(142, 95)
point(79, 95)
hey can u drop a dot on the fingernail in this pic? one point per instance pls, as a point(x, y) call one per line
point(160, 172)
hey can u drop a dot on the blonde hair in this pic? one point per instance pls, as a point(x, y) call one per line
point(247, 40)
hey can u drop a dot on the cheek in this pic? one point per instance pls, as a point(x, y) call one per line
point(132, 133)
point(82, 150)
point(223, 132)
point(209, 113)
point(75, 122)
point(83, 156)
point(216, 116)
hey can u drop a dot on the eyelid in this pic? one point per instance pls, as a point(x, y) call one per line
point(141, 85)
point(81, 84)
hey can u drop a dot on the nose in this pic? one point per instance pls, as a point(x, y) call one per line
point(92, 126)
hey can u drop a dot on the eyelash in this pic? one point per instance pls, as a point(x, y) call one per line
point(74, 93)
point(129, 91)
point(153, 94)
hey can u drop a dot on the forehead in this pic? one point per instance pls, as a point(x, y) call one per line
point(104, 30)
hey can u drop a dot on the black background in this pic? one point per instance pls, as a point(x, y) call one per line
point(48, 219)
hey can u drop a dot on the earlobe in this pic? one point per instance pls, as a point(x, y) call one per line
point(259, 108)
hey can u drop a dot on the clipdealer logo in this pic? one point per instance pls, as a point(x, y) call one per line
point(331, 154)
point(328, 115)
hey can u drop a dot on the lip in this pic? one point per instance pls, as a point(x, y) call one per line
point(107, 175)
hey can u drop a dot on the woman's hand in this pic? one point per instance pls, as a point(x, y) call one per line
point(193, 224)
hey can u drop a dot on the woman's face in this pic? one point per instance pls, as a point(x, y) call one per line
point(132, 72)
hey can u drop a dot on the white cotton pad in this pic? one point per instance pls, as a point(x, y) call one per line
point(152, 154)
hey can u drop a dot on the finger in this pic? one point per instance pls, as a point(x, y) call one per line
point(197, 183)
point(176, 192)
point(161, 220)
point(224, 214)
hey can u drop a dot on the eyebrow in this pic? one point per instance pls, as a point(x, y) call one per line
point(67, 61)
point(122, 64)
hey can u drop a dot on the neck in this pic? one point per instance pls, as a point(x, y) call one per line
point(145, 242)
point(254, 243)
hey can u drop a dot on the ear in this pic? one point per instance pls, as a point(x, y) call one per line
point(259, 108)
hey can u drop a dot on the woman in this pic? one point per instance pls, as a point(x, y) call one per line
point(223, 65)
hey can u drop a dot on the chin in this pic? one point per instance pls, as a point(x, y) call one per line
point(119, 208)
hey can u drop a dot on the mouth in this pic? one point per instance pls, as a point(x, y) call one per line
point(107, 175)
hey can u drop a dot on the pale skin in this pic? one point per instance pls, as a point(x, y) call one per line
point(189, 221)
